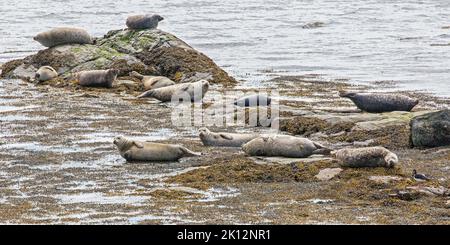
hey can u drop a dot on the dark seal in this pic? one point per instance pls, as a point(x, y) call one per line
point(253, 100)
point(142, 22)
point(379, 102)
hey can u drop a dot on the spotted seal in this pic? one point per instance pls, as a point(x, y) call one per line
point(195, 91)
point(366, 157)
point(283, 146)
point(133, 150)
point(45, 73)
point(141, 22)
point(152, 82)
point(380, 102)
point(98, 78)
point(63, 35)
point(224, 139)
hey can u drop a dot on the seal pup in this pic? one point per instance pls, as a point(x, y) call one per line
point(224, 139)
point(366, 157)
point(133, 150)
point(152, 82)
point(379, 102)
point(63, 35)
point(419, 177)
point(98, 78)
point(195, 91)
point(253, 100)
point(141, 22)
point(45, 73)
point(283, 146)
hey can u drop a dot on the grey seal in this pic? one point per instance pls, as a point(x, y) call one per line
point(380, 102)
point(64, 35)
point(152, 82)
point(141, 22)
point(45, 73)
point(98, 78)
point(224, 139)
point(283, 146)
point(366, 157)
point(133, 150)
point(253, 100)
point(195, 91)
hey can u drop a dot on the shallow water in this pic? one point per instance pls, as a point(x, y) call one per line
point(365, 41)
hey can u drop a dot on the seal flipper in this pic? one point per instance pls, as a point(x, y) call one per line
point(227, 137)
point(146, 94)
point(189, 153)
point(138, 144)
point(322, 150)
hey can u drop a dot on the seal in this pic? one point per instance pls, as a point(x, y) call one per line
point(366, 157)
point(141, 22)
point(195, 91)
point(152, 82)
point(224, 139)
point(253, 100)
point(98, 78)
point(379, 102)
point(133, 150)
point(283, 146)
point(63, 35)
point(45, 73)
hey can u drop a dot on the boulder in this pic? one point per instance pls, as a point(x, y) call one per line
point(149, 52)
point(328, 173)
point(431, 130)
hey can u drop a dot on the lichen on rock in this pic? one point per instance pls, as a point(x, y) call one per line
point(150, 52)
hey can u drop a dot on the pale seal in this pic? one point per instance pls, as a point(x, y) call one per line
point(224, 139)
point(152, 82)
point(283, 146)
point(379, 102)
point(194, 91)
point(141, 22)
point(98, 78)
point(366, 157)
point(253, 100)
point(133, 150)
point(45, 73)
point(63, 35)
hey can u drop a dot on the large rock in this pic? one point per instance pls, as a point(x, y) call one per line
point(152, 52)
point(431, 130)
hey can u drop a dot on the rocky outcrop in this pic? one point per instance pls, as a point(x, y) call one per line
point(431, 130)
point(149, 52)
point(391, 129)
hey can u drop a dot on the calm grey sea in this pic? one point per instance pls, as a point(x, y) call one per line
point(363, 40)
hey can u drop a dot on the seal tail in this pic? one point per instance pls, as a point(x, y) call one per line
point(136, 75)
point(146, 94)
point(322, 150)
point(190, 153)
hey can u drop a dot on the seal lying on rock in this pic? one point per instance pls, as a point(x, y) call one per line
point(253, 100)
point(283, 146)
point(195, 91)
point(366, 157)
point(98, 78)
point(133, 150)
point(64, 35)
point(152, 82)
point(378, 102)
point(224, 139)
point(45, 73)
point(141, 22)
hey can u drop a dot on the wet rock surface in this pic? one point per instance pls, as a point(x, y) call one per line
point(58, 163)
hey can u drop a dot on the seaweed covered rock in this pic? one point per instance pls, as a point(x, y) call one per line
point(431, 130)
point(149, 52)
